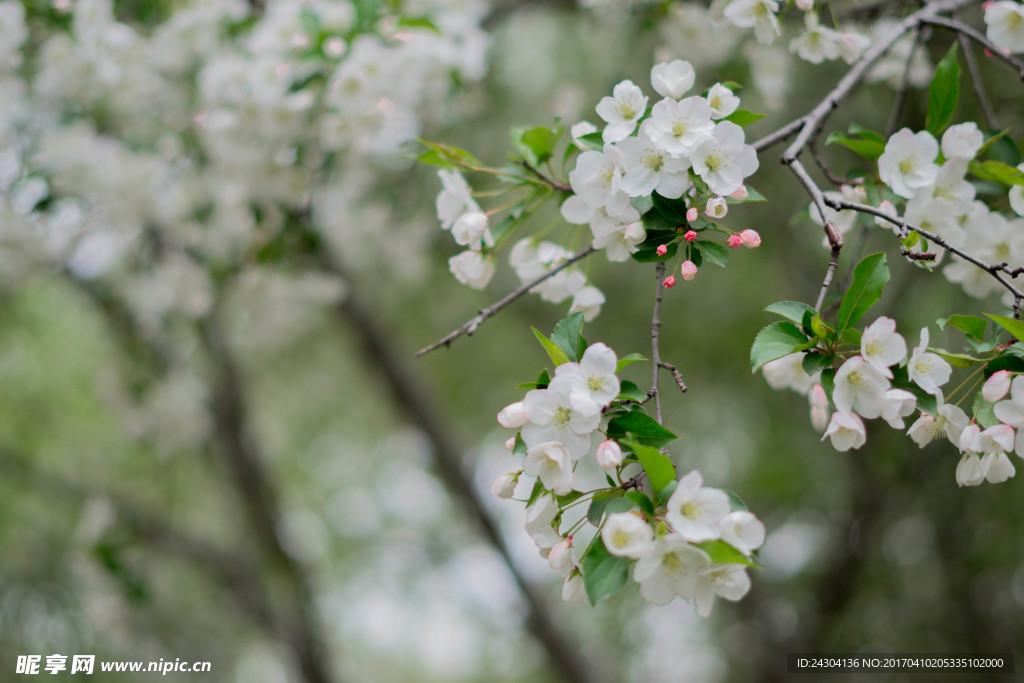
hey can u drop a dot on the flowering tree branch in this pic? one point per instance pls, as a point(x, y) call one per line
point(470, 327)
point(965, 30)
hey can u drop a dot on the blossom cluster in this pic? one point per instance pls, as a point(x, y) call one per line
point(663, 544)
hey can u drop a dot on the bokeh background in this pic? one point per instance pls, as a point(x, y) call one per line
point(217, 261)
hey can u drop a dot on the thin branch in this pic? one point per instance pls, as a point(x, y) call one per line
point(994, 270)
point(979, 87)
point(447, 455)
point(552, 183)
point(655, 331)
point(784, 133)
point(676, 375)
point(965, 30)
point(901, 94)
point(470, 327)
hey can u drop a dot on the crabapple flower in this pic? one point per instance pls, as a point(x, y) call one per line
point(908, 162)
point(505, 485)
point(756, 14)
point(512, 416)
point(580, 129)
point(896, 405)
point(859, 387)
point(819, 408)
point(470, 230)
point(621, 111)
point(609, 455)
point(735, 241)
point(592, 382)
point(619, 242)
point(996, 387)
point(846, 431)
point(673, 79)
point(817, 43)
point(677, 127)
point(927, 370)
point(882, 346)
point(539, 519)
point(626, 534)
point(742, 530)
point(691, 216)
point(560, 558)
point(1004, 22)
point(805, 5)
point(740, 194)
point(996, 439)
point(694, 511)
point(553, 418)
point(588, 300)
point(723, 160)
point(669, 570)
point(455, 199)
point(649, 167)
point(729, 581)
point(574, 591)
point(716, 207)
point(550, 462)
point(661, 250)
point(688, 270)
point(471, 268)
point(1011, 410)
point(597, 180)
point(962, 141)
point(998, 468)
point(722, 101)
point(669, 282)
point(852, 45)
point(788, 372)
point(950, 422)
point(970, 471)
point(751, 238)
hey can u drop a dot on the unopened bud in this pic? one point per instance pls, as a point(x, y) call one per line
point(750, 238)
point(740, 193)
point(716, 207)
point(691, 214)
point(560, 557)
point(661, 250)
point(819, 418)
point(513, 415)
point(510, 443)
point(670, 281)
point(735, 241)
point(817, 397)
point(688, 270)
point(505, 485)
point(690, 235)
point(609, 455)
point(996, 386)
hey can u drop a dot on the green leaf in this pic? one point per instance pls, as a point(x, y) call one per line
point(971, 325)
point(556, 354)
point(658, 466)
point(869, 149)
point(752, 196)
point(520, 446)
point(447, 155)
point(538, 489)
point(567, 337)
point(642, 501)
point(626, 360)
point(996, 172)
point(713, 252)
point(643, 428)
point(631, 392)
point(735, 502)
point(815, 361)
point(865, 133)
point(603, 573)
point(775, 341)
point(851, 335)
point(672, 209)
point(790, 310)
point(536, 144)
point(662, 496)
point(593, 141)
point(958, 360)
point(742, 117)
point(828, 381)
point(991, 141)
point(721, 552)
point(869, 277)
point(943, 93)
point(1014, 327)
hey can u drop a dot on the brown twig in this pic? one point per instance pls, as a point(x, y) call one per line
point(676, 375)
point(655, 331)
point(965, 30)
point(979, 87)
point(470, 327)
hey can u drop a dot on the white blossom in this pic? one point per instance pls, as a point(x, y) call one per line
point(846, 430)
point(589, 300)
point(859, 387)
point(677, 127)
point(1011, 410)
point(896, 405)
point(669, 570)
point(455, 198)
point(962, 141)
point(729, 581)
point(1005, 25)
point(723, 160)
point(470, 268)
point(621, 111)
point(673, 79)
point(996, 387)
point(694, 511)
point(505, 485)
point(722, 101)
point(550, 462)
point(553, 418)
point(908, 162)
point(742, 530)
point(592, 382)
point(651, 168)
point(950, 422)
point(471, 230)
point(626, 534)
point(882, 346)
point(928, 370)
point(756, 14)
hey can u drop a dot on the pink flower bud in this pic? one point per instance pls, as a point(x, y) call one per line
point(670, 281)
point(996, 386)
point(818, 398)
point(505, 485)
point(690, 235)
point(819, 418)
point(740, 193)
point(988, 52)
point(691, 214)
point(735, 241)
point(560, 557)
point(750, 238)
point(512, 415)
point(688, 270)
point(661, 250)
point(609, 455)
point(510, 443)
